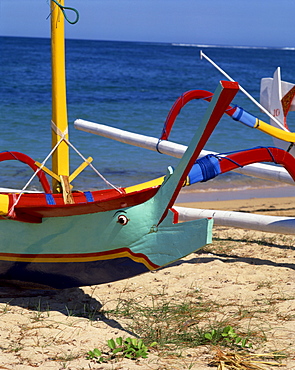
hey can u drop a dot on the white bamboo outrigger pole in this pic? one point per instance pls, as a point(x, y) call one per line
point(270, 224)
point(259, 170)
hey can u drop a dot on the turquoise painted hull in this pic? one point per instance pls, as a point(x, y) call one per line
point(109, 250)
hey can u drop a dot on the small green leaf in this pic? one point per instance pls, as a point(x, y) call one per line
point(117, 350)
point(89, 355)
point(111, 343)
point(238, 340)
point(97, 352)
point(129, 350)
point(228, 329)
point(134, 342)
point(244, 342)
point(119, 341)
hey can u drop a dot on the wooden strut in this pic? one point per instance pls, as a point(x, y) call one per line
point(66, 190)
point(64, 180)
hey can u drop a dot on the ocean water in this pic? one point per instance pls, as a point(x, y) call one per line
point(130, 86)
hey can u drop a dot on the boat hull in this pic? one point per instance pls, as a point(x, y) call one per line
point(64, 275)
point(108, 245)
point(64, 252)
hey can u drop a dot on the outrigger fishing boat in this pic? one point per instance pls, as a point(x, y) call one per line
point(62, 238)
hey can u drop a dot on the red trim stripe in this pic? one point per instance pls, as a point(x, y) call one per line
point(81, 255)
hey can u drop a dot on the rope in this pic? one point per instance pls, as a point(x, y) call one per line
point(63, 8)
point(157, 146)
point(17, 198)
point(94, 169)
point(62, 135)
point(231, 160)
point(207, 167)
point(222, 155)
point(272, 157)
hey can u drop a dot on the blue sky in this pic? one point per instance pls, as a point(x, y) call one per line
point(223, 22)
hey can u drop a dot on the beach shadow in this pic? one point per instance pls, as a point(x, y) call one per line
point(249, 260)
point(265, 244)
point(72, 302)
point(231, 258)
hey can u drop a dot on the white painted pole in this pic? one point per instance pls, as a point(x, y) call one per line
point(270, 224)
point(259, 170)
point(243, 90)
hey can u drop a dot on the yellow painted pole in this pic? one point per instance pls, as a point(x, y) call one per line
point(60, 158)
point(275, 131)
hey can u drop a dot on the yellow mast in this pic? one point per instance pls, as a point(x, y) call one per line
point(60, 158)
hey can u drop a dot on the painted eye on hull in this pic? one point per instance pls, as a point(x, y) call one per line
point(123, 220)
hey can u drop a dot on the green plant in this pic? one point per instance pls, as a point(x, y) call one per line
point(131, 348)
point(226, 336)
point(96, 354)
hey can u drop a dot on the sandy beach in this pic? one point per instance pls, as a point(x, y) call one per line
point(244, 279)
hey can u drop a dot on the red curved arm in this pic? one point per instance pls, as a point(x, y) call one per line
point(255, 155)
point(181, 102)
point(4, 156)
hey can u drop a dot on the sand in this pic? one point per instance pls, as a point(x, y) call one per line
point(248, 276)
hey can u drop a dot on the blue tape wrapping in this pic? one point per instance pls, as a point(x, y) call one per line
point(89, 196)
point(204, 169)
point(244, 117)
point(50, 200)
